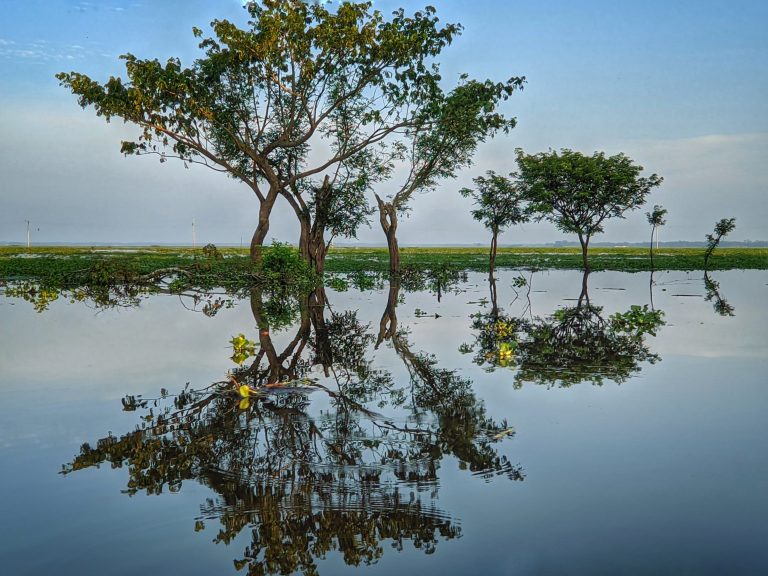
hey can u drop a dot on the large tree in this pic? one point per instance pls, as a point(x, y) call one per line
point(578, 193)
point(498, 205)
point(443, 140)
point(268, 104)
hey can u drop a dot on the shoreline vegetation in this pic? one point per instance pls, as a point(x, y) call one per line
point(232, 266)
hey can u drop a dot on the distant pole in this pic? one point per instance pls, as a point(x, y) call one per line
point(241, 240)
point(27, 221)
point(193, 233)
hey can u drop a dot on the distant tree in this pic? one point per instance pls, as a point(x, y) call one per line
point(722, 229)
point(442, 143)
point(499, 205)
point(656, 220)
point(578, 193)
point(267, 104)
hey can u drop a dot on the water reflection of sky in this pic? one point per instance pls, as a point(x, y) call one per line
point(693, 327)
point(667, 470)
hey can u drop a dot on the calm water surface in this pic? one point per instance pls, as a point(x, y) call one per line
point(560, 431)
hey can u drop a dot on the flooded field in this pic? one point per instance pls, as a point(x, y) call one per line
point(547, 423)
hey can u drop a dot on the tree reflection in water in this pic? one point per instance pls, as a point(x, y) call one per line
point(720, 304)
point(575, 344)
point(346, 480)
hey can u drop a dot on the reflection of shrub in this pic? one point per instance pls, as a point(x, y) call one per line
point(638, 321)
point(280, 311)
point(495, 342)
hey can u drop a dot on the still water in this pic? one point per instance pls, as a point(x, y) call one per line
point(547, 424)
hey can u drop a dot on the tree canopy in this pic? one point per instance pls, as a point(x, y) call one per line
point(578, 193)
point(442, 143)
point(498, 205)
point(300, 79)
point(723, 227)
point(656, 220)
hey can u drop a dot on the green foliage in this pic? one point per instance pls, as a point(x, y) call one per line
point(280, 309)
point(67, 268)
point(242, 348)
point(281, 264)
point(637, 321)
point(449, 132)
point(496, 340)
point(577, 345)
point(259, 98)
point(722, 228)
point(39, 296)
point(499, 205)
point(720, 304)
point(498, 200)
point(577, 193)
point(283, 476)
point(210, 251)
point(519, 282)
point(656, 217)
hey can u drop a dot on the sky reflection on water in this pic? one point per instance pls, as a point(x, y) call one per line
point(664, 473)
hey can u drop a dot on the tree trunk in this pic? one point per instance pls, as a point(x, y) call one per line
point(279, 366)
point(322, 345)
point(317, 248)
point(492, 255)
point(388, 220)
point(312, 237)
point(584, 289)
point(653, 229)
point(494, 297)
point(257, 241)
point(259, 235)
point(584, 241)
point(388, 322)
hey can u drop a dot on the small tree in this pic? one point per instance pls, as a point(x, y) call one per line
point(656, 220)
point(442, 143)
point(499, 206)
point(577, 193)
point(722, 229)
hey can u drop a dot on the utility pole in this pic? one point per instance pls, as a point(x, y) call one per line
point(27, 221)
point(193, 233)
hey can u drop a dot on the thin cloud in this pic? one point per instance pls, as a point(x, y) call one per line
point(84, 7)
point(42, 51)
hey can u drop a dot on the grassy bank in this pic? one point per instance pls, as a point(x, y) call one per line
point(57, 264)
point(622, 259)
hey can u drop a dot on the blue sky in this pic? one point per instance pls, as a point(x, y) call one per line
point(678, 86)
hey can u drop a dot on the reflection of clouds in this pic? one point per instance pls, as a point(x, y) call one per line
point(108, 352)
